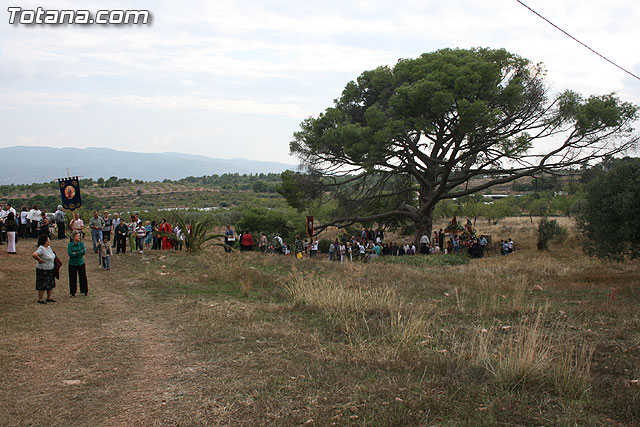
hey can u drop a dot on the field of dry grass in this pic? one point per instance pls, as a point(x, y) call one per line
point(251, 339)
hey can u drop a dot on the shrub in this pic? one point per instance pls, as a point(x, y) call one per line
point(266, 220)
point(323, 245)
point(610, 212)
point(549, 230)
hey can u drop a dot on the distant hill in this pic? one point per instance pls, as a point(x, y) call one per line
point(27, 165)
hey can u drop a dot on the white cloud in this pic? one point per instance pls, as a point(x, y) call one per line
point(27, 140)
point(45, 139)
point(186, 102)
point(279, 60)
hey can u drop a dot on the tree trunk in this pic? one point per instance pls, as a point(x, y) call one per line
point(424, 226)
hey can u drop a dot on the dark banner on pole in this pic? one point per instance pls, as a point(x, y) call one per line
point(310, 226)
point(70, 192)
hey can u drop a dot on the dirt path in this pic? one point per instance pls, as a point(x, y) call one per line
point(104, 359)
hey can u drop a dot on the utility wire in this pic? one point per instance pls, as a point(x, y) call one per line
point(569, 35)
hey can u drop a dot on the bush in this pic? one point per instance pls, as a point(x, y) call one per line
point(549, 230)
point(609, 217)
point(323, 246)
point(266, 220)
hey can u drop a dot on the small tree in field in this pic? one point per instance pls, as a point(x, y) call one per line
point(549, 230)
point(610, 214)
point(474, 206)
point(500, 209)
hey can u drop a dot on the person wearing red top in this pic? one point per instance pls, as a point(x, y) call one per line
point(166, 244)
point(246, 242)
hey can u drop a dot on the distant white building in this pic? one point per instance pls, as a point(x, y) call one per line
point(501, 196)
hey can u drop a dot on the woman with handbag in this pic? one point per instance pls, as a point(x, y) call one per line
point(45, 279)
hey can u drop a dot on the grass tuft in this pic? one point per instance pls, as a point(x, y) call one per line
point(530, 357)
point(518, 359)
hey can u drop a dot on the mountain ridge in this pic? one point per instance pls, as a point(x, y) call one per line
point(32, 164)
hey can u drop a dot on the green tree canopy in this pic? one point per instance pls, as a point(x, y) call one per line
point(259, 186)
point(475, 205)
point(502, 208)
point(298, 189)
point(263, 220)
point(611, 211)
point(416, 133)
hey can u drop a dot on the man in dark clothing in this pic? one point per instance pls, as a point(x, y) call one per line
point(122, 231)
point(386, 250)
point(475, 250)
point(59, 217)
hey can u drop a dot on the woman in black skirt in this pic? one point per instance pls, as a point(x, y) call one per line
point(45, 279)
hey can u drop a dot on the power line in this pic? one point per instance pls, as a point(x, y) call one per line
point(569, 35)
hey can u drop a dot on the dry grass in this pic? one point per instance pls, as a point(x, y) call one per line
point(529, 355)
point(520, 358)
point(246, 339)
point(339, 298)
point(571, 371)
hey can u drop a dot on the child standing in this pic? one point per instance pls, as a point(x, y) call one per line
point(149, 236)
point(104, 254)
point(132, 233)
point(141, 234)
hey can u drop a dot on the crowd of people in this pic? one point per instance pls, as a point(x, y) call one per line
point(369, 244)
point(108, 233)
point(28, 223)
point(364, 247)
point(104, 229)
point(138, 235)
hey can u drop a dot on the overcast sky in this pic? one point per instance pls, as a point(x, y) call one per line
point(233, 79)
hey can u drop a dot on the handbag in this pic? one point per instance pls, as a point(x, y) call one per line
point(56, 266)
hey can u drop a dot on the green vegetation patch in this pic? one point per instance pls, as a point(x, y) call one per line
point(424, 260)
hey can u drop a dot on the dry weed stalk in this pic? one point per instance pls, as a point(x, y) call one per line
point(245, 285)
point(572, 371)
point(408, 330)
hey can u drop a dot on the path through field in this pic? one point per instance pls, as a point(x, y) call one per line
point(102, 359)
